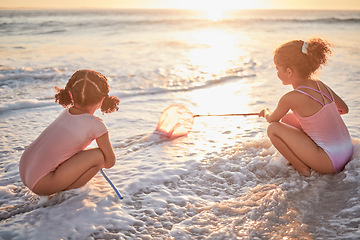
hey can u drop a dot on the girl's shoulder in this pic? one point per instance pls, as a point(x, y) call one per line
point(292, 99)
point(93, 124)
point(292, 96)
point(84, 119)
point(298, 93)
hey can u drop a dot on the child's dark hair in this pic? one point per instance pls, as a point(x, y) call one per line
point(305, 57)
point(87, 87)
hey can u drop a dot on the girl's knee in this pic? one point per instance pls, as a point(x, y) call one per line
point(272, 128)
point(97, 156)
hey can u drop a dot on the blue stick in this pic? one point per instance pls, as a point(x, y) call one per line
point(111, 184)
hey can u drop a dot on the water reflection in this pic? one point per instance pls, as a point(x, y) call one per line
point(217, 51)
point(222, 62)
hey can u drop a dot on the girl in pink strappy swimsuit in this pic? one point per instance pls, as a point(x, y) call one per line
point(57, 159)
point(315, 136)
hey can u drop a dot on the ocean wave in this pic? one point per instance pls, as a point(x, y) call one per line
point(59, 22)
point(48, 101)
point(163, 90)
point(26, 87)
point(25, 104)
point(63, 27)
point(332, 20)
point(25, 75)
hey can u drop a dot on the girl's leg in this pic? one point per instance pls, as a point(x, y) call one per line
point(299, 149)
point(73, 173)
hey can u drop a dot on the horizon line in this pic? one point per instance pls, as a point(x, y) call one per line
point(156, 8)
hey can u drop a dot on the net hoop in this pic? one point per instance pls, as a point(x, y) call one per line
point(175, 121)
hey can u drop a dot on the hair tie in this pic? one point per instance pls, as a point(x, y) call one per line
point(304, 48)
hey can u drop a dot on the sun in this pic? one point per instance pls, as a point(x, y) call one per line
point(214, 14)
point(215, 10)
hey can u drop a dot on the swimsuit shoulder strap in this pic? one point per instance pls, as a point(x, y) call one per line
point(297, 89)
point(331, 98)
point(323, 95)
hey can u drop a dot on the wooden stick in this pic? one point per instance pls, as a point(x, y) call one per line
point(230, 115)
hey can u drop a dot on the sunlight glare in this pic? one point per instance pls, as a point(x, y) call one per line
point(213, 11)
point(217, 51)
point(232, 97)
point(216, 10)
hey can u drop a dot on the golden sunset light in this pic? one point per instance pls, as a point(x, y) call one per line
point(213, 6)
point(214, 119)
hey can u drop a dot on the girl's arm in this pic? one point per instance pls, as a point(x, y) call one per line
point(341, 105)
point(105, 146)
point(282, 108)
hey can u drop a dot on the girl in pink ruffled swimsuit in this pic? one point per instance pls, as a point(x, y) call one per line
point(57, 159)
point(315, 136)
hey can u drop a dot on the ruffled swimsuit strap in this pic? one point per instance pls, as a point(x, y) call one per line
point(323, 95)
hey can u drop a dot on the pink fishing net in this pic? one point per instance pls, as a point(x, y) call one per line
point(175, 121)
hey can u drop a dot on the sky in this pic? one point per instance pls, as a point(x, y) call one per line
point(186, 4)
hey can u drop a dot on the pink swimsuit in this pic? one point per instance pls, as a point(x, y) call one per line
point(327, 129)
point(63, 138)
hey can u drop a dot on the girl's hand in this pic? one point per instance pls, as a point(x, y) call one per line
point(264, 112)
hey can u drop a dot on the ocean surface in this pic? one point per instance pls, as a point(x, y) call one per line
point(224, 180)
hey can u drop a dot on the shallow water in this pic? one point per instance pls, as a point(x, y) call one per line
point(224, 180)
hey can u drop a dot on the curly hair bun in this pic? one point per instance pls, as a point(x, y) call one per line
point(318, 51)
point(63, 97)
point(110, 104)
